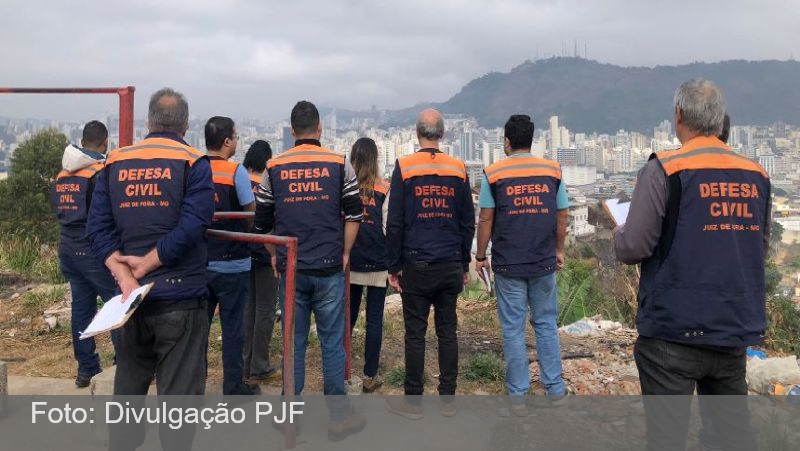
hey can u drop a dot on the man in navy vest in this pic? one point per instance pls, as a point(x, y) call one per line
point(151, 207)
point(311, 193)
point(429, 235)
point(524, 210)
point(71, 197)
point(698, 224)
point(229, 261)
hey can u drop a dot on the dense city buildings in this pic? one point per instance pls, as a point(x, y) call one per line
point(595, 165)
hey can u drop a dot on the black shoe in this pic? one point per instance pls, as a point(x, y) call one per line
point(245, 390)
point(263, 376)
point(83, 380)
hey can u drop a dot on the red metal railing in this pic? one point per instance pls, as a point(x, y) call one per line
point(125, 104)
point(288, 307)
point(288, 313)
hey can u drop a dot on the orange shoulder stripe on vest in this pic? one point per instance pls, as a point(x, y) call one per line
point(316, 157)
point(255, 178)
point(87, 172)
point(223, 172)
point(156, 148)
point(381, 187)
point(424, 163)
point(515, 171)
point(711, 161)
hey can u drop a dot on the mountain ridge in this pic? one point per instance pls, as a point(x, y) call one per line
point(592, 96)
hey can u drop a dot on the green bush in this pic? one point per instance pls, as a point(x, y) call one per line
point(484, 367)
point(25, 196)
point(783, 325)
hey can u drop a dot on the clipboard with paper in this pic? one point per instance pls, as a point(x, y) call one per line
point(617, 209)
point(115, 313)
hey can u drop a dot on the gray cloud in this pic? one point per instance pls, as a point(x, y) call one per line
point(256, 58)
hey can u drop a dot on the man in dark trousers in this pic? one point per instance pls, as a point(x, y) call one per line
point(229, 261)
point(88, 278)
point(151, 207)
point(305, 193)
point(429, 236)
point(698, 224)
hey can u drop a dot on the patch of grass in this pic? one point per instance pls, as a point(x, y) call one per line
point(484, 367)
point(773, 434)
point(396, 377)
point(783, 325)
point(481, 320)
point(17, 253)
point(476, 291)
point(30, 257)
point(37, 301)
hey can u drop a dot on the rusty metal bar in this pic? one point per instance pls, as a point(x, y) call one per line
point(221, 215)
point(125, 104)
point(288, 304)
point(126, 116)
point(348, 339)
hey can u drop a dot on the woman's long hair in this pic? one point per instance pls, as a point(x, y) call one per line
point(364, 158)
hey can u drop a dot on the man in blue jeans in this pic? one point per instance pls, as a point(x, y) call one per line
point(524, 212)
point(229, 261)
point(88, 278)
point(305, 193)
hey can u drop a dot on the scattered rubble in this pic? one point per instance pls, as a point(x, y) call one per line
point(593, 326)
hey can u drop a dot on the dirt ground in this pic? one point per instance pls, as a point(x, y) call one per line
point(591, 365)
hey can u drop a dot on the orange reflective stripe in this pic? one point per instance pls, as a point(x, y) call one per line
point(381, 187)
point(155, 148)
point(708, 158)
point(87, 172)
point(523, 167)
point(255, 178)
point(223, 172)
point(307, 154)
point(424, 163)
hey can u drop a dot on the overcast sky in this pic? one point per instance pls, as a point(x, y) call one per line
point(256, 58)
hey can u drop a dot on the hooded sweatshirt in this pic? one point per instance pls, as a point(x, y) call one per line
point(71, 196)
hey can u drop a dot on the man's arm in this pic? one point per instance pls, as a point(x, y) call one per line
point(353, 210)
point(197, 212)
point(768, 222)
point(637, 239)
point(466, 211)
point(561, 236)
point(244, 193)
point(265, 207)
point(100, 226)
point(394, 223)
point(485, 218)
point(103, 237)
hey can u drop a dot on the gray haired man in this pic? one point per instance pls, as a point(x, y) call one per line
point(429, 235)
point(149, 213)
point(698, 224)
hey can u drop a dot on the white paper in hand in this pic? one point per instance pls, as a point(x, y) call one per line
point(115, 313)
point(618, 210)
point(487, 282)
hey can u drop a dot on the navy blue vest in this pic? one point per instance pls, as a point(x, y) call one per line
point(369, 251)
point(70, 197)
point(258, 253)
point(307, 183)
point(147, 182)
point(432, 183)
point(705, 282)
point(226, 199)
point(526, 217)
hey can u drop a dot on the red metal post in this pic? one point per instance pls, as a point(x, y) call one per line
point(125, 104)
point(348, 334)
point(288, 335)
point(126, 116)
